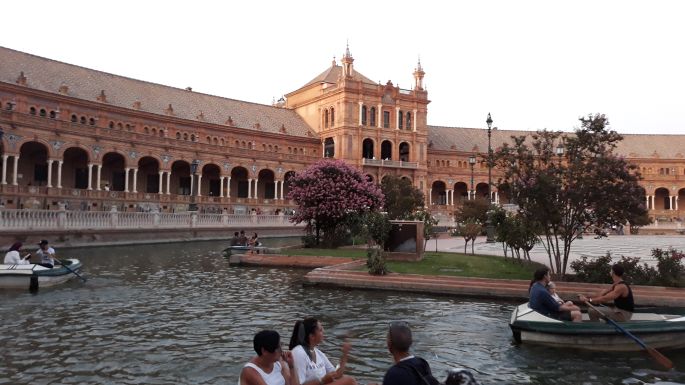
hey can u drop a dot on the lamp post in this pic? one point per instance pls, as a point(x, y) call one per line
point(193, 172)
point(472, 162)
point(488, 223)
point(560, 152)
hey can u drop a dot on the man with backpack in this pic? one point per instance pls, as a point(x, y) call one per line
point(408, 370)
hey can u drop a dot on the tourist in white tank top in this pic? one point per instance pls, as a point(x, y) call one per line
point(271, 366)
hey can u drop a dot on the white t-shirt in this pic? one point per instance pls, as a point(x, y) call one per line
point(46, 256)
point(308, 370)
point(13, 258)
point(273, 378)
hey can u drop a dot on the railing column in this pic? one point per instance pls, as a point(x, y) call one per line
point(228, 188)
point(193, 219)
point(62, 216)
point(168, 182)
point(276, 190)
point(221, 187)
point(224, 217)
point(282, 183)
point(114, 216)
point(199, 185)
point(249, 188)
point(256, 184)
point(90, 176)
point(161, 183)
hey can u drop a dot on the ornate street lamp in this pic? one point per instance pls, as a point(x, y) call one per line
point(560, 152)
point(193, 173)
point(488, 223)
point(472, 162)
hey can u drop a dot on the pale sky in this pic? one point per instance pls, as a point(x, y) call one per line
point(532, 64)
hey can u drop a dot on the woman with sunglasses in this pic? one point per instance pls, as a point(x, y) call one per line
point(310, 364)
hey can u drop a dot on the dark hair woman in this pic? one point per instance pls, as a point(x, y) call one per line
point(271, 366)
point(311, 365)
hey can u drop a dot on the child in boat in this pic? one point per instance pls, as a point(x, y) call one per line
point(552, 289)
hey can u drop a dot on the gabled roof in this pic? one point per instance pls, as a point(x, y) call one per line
point(333, 73)
point(87, 84)
point(476, 139)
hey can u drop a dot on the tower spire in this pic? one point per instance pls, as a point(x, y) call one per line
point(418, 76)
point(347, 61)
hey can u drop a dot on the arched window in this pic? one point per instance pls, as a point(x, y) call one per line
point(325, 119)
point(363, 115)
point(120, 126)
point(400, 120)
point(111, 124)
point(146, 129)
point(43, 112)
point(372, 117)
point(32, 110)
point(209, 139)
point(53, 114)
point(83, 120)
point(74, 118)
point(91, 121)
point(332, 117)
point(192, 137)
point(275, 148)
point(178, 135)
point(223, 142)
point(329, 148)
point(216, 141)
point(409, 127)
point(185, 136)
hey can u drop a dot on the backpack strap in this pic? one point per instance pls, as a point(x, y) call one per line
point(416, 371)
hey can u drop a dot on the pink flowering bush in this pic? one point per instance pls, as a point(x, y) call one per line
point(330, 193)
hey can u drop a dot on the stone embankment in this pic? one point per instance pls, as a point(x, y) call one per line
point(347, 273)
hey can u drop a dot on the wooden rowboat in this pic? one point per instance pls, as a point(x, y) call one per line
point(33, 276)
point(659, 331)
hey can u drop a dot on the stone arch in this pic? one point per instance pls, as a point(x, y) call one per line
point(370, 178)
point(407, 178)
point(148, 174)
point(211, 179)
point(504, 193)
point(482, 190)
point(286, 182)
point(681, 199)
point(266, 184)
point(180, 177)
point(404, 152)
point(439, 193)
point(33, 164)
point(461, 192)
point(368, 145)
point(75, 167)
point(386, 150)
point(662, 199)
point(239, 181)
point(114, 171)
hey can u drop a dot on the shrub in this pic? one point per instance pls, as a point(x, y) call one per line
point(670, 266)
point(595, 270)
point(376, 262)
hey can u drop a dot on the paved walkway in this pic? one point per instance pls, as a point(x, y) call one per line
point(628, 245)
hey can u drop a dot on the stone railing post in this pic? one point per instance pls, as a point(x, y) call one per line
point(114, 216)
point(193, 219)
point(253, 217)
point(62, 216)
point(155, 217)
point(281, 217)
point(224, 217)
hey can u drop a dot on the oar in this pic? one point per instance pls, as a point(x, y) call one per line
point(658, 357)
point(67, 267)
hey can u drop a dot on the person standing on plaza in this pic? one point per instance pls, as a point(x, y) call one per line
point(271, 366)
point(620, 293)
point(14, 258)
point(46, 255)
point(311, 364)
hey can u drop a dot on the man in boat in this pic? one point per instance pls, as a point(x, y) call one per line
point(619, 292)
point(235, 240)
point(46, 255)
point(542, 302)
point(408, 370)
point(242, 240)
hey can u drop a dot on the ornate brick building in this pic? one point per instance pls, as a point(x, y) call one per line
point(93, 140)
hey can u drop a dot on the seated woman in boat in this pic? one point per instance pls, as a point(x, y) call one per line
point(271, 366)
point(14, 258)
point(311, 365)
point(620, 293)
point(542, 302)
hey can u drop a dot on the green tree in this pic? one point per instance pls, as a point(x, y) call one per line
point(476, 209)
point(429, 223)
point(470, 231)
point(566, 182)
point(402, 199)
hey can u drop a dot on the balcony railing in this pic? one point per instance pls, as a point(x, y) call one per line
point(389, 163)
point(12, 219)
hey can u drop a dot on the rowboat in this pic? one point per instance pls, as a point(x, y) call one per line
point(232, 250)
point(33, 276)
point(659, 331)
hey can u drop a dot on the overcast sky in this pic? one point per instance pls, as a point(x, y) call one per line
point(532, 64)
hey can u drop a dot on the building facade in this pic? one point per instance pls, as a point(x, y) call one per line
point(92, 140)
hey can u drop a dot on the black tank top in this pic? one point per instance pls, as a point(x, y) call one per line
point(624, 303)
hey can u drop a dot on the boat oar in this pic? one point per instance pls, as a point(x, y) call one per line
point(658, 357)
point(67, 267)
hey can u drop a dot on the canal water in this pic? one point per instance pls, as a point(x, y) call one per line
point(178, 314)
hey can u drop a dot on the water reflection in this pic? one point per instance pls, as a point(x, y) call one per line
point(178, 314)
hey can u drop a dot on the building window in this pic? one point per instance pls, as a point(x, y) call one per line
point(363, 115)
point(409, 121)
point(386, 119)
point(332, 117)
point(53, 114)
point(74, 118)
point(91, 121)
point(325, 119)
point(32, 110)
point(400, 117)
point(43, 112)
point(372, 117)
point(329, 148)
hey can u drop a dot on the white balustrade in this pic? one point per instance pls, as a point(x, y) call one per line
point(12, 219)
